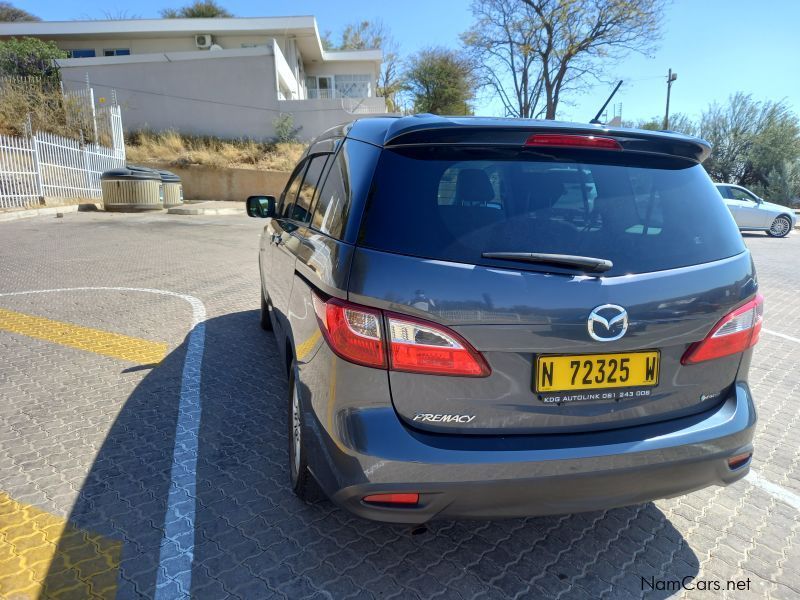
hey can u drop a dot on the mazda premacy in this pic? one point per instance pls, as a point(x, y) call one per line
point(486, 318)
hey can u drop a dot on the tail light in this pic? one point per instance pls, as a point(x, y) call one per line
point(735, 332)
point(354, 333)
point(422, 347)
point(559, 140)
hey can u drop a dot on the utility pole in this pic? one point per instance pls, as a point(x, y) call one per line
point(670, 78)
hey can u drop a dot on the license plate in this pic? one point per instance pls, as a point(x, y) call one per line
point(561, 373)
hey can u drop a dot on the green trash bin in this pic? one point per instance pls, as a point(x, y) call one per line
point(132, 188)
point(173, 190)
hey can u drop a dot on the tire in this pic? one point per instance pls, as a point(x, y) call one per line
point(303, 483)
point(266, 323)
point(780, 227)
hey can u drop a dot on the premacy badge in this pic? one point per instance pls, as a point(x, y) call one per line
point(443, 418)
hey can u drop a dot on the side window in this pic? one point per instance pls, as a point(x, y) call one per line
point(333, 206)
point(290, 193)
point(301, 211)
point(724, 191)
point(739, 194)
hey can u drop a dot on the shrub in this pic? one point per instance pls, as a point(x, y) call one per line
point(30, 57)
point(285, 131)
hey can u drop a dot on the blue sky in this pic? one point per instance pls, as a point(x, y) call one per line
point(717, 47)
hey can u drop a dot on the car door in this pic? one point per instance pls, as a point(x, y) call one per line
point(287, 238)
point(734, 206)
point(747, 209)
point(272, 231)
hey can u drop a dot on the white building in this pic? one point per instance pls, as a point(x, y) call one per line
point(224, 77)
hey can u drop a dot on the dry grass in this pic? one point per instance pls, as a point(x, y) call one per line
point(179, 150)
point(48, 109)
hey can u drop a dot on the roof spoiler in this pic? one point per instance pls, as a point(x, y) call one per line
point(431, 129)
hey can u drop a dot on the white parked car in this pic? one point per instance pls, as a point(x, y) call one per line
point(752, 213)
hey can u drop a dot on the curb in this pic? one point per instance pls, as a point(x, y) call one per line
point(45, 211)
point(187, 210)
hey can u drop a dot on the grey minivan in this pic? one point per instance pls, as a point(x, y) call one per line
point(485, 318)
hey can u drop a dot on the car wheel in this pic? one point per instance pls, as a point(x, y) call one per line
point(266, 323)
point(303, 484)
point(780, 227)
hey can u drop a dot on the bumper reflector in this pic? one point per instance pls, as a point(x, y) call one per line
point(399, 499)
point(740, 460)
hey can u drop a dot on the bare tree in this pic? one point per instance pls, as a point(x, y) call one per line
point(10, 13)
point(575, 39)
point(501, 44)
point(199, 9)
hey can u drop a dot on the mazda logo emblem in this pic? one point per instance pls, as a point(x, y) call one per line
point(613, 321)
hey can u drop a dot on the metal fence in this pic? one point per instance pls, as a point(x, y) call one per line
point(19, 174)
point(47, 165)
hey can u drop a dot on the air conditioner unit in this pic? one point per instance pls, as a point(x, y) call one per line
point(203, 40)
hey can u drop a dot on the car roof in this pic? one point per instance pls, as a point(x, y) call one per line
point(426, 129)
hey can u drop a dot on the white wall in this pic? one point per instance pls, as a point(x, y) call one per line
point(175, 43)
point(222, 96)
point(228, 94)
point(315, 116)
point(341, 67)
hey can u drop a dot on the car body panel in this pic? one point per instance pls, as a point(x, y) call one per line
point(358, 422)
point(512, 316)
point(750, 212)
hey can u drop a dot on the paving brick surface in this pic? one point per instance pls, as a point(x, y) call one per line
point(86, 448)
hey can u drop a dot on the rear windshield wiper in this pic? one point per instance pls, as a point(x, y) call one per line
point(589, 263)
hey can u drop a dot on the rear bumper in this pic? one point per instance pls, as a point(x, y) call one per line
point(491, 477)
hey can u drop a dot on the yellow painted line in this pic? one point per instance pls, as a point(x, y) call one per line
point(98, 341)
point(306, 347)
point(43, 556)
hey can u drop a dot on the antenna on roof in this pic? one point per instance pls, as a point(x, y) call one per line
point(596, 120)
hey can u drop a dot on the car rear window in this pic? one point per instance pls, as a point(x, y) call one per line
point(643, 214)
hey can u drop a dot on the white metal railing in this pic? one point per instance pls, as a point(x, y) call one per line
point(20, 184)
point(48, 165)
point(315, 93)
point(364, 105)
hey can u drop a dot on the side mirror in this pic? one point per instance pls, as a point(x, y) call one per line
point(261, 206)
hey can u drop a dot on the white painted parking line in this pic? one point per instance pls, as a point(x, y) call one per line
point(782, 335)
point(175, 560)
point(780, 492)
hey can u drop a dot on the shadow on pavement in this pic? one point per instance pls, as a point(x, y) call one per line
point(253, 539)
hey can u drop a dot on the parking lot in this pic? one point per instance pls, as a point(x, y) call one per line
point(143, 447)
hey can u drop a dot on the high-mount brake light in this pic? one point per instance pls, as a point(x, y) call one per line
point(559, 140)
point(735, 332)
point(354, 332)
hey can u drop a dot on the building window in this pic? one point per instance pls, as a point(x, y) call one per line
point(82, 53)
point(320, 86)
point(353, 86)
point(116, 52)
point(339, 86)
